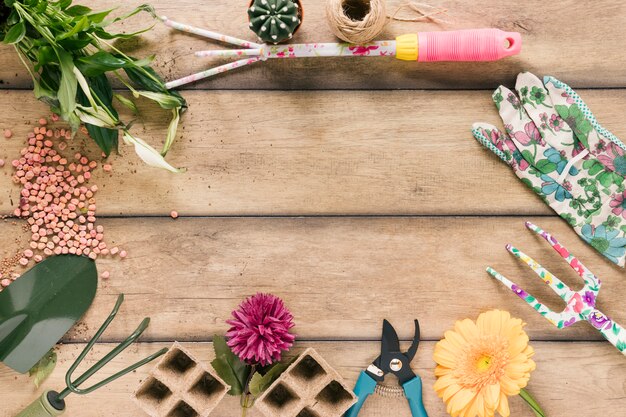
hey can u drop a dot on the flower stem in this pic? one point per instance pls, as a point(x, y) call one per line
point(532, 403)
point(247, 399)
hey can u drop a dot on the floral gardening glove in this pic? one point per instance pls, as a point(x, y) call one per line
point(557, 148)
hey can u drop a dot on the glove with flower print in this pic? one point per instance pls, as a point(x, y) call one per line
point(558, 149)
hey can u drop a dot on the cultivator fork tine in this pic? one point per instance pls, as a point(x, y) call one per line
point(546, 276)
point(592, 282)
point(542, 309)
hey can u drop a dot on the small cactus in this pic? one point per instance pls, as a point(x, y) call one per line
point(274, 20)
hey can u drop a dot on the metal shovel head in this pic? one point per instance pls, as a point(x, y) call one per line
point(42, 305)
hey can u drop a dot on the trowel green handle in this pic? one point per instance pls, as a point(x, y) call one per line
point(42, 407)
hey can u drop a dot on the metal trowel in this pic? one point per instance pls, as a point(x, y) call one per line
point(41, 306)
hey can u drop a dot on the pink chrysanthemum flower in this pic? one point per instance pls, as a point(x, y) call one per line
point(259, 332)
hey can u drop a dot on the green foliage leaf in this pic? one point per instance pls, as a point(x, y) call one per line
point(99, 63)
point(78, 10)
point(15, 34)
point(101, 33)
point(106, 139)
point(259, 383)
point(46, 55)
point(43, 368)
point(126, 102)
point(68, 85)
point(64, 4)
point(82, 24)
point(229, 367)
point(146, 79)
point(98, 17)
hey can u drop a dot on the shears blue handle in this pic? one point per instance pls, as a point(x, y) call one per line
point(413, 392)
point(365, 387)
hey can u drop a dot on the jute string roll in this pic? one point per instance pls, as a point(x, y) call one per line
point(360, 21)
point(356, 21)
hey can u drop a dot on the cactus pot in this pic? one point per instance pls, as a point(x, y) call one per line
point(275, 21)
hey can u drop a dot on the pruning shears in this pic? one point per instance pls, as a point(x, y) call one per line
point(392, 360)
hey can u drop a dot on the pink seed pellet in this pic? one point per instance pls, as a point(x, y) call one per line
point(107, 167)
point(56, 200)
point(1, 163)
point(174, 214)
point(7, 133)
point(5, 282)
point(105, 275)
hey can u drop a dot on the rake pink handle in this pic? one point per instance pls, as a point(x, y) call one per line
point(468, 45)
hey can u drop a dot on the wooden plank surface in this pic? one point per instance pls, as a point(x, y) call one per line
point(570, 377)
point(374, 153)
point(339, 276)
point(570, 39)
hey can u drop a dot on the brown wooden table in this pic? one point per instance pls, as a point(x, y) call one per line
point(352, 188)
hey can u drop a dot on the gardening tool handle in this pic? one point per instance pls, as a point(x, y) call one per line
point(611, 331)
point(364, 387)
point(41, 407)
point(413, 392)
point(459, 45)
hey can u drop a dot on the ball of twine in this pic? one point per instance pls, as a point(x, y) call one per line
point(356, 21)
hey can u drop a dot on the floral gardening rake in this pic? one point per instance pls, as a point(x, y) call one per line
point(580, 305)
point(461, 45)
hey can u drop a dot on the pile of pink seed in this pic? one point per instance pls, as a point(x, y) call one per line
point(57, 201)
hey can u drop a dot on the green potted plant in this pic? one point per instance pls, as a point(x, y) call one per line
point(275, 21)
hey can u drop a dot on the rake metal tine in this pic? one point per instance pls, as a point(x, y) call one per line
point(592, 282)
point(546, 276)
point(229, 52)
point(542, 309)
point(211, 72)
point(72, 386)
point(209, 34)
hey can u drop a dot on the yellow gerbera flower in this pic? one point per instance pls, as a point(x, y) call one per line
point(480, 364)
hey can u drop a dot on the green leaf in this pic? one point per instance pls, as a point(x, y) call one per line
point(98, 17)
point(99, 63)
point(146, 78)
point(82, 24)
point(171, 131)
point(148, 154)
point(106, 35)
point(46, 55)
point(106, 139)
point(229, 367)
point(64, 4)
point(16, 33)
point(79, 42)
point(166, 101)
point(44, 367)
point(78, 10)
point(259, 383)
point(69, 84)
point(546, 166)
point(126, 102)
point(138, 9)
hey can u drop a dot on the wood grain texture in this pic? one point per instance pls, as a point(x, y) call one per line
point(311, 153)
point(569, 39)
point(339, 276)
point(570, 377)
